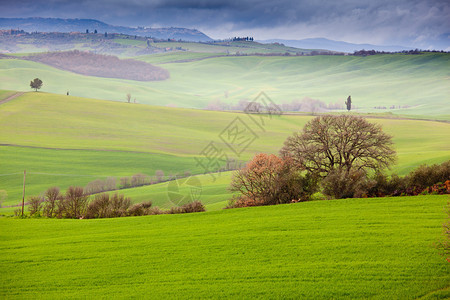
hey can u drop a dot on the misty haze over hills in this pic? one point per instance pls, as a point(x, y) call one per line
point(322, 43)
point(81, 25)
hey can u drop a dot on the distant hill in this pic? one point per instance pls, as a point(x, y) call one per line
point(81, 25)
point(326, 44)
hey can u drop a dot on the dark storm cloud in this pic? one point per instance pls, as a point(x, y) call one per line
point(382, 21)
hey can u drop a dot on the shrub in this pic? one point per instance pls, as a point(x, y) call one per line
point(243, 201)
point(125, 182)
point(268, 180)
point(75, 202)
point(141, 209)
point(139, 180)
point(397, 184)
point(195, 206)
point(159, 174)
point(51, 199)
point(342, 184)
point(106, 206)
point(99, 186)
point(60, 208)
point(381, 185)
point(426, 176)
point(34, 206)
point(191, 207)
point(174, 210)
point(155, 211)
point(119, 205)
point(99, 207)
point(18, 212)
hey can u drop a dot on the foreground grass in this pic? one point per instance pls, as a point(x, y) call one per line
point(355, 248)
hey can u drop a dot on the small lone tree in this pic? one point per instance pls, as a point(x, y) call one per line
point(36, 84)
point(128, 97)
point(349, 103)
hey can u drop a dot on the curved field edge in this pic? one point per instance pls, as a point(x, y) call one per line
point(353, 248)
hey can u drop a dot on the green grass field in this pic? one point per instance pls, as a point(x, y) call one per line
point(5, 94)
point(342, 249)
point(73, 141)
point(377, 248)
point(176, 56)
point(417, 81)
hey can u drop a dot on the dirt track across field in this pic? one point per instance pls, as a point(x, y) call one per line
point(11, 97)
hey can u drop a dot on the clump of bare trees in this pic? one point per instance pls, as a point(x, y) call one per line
point(306, 105)
point(336, 151)
point(75, 204)
point(108, 206)
point(99, 185)
point(342, 156)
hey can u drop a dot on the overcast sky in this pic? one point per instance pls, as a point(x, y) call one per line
point(418, 23)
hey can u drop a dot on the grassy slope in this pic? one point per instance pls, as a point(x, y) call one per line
point(163, 58)
point(128, 46)
point(355, 248)
point(420, 81)
point(214, 192)
point(5, 94)
point(164, 138)
point(231, 47)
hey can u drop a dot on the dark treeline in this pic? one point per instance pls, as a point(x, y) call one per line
point(242, 39)
point(411, 52)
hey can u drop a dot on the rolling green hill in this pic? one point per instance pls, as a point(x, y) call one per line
point(416, 85)
point(378, 248)
point(66, 140)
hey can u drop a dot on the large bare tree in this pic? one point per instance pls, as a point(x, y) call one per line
point(344, 143)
